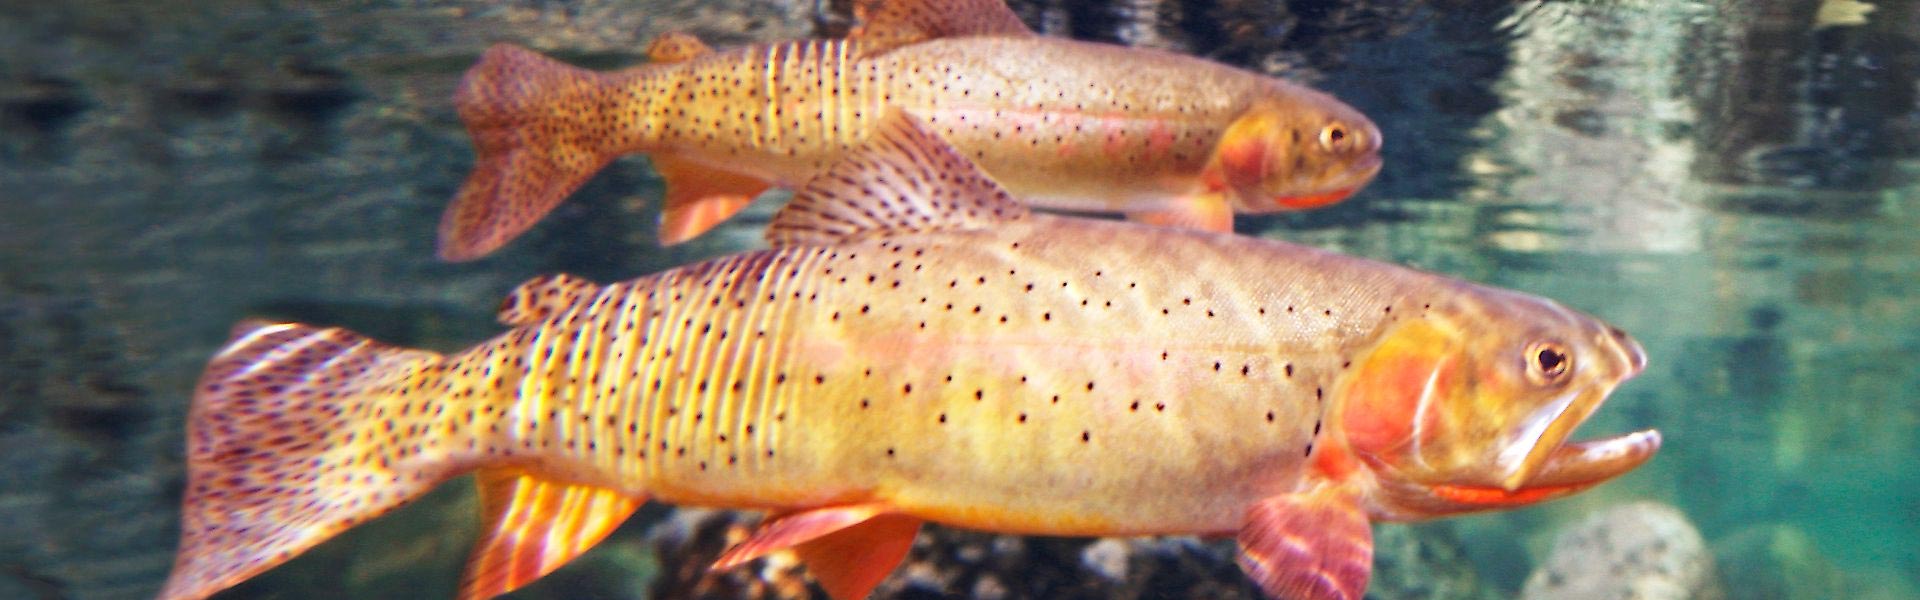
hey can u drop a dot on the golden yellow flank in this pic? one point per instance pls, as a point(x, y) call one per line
point(917, 347)
point(1169, 139)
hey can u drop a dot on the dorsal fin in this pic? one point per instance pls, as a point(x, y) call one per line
point(901, 180)
point(543, 297)
point(676, 46)
point(888, 24)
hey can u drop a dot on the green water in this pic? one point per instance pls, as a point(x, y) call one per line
point(1735, 183)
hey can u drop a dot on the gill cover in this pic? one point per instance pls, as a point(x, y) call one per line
point(1275, 159)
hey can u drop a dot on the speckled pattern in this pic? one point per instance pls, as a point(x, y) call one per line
point(1031, 376)
point(1063, 124)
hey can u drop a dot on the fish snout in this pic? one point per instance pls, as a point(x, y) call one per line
point(1372, 140)
point(1631, 353)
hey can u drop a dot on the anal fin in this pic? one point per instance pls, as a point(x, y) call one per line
point(848, 549)
point(533, 526)
point(1205, 212)
point(1314, 545)
point(700, 197)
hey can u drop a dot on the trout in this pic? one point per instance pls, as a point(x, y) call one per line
point(917, 347)
point(1068, 125)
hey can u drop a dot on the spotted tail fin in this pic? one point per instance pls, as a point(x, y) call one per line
point(295, 434)
point(535, 142)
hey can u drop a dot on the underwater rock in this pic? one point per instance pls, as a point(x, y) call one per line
point(1424, 562)
point(1638, 551)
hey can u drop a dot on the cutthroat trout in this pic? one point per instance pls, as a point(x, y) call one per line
point(918, 347)
point(1068, 125)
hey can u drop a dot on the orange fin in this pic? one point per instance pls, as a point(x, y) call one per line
point(284, 450)
point(542, 297)
point(888, 24)
point(902, 179)
point(848, 549)
point(1205, 212)
point(676, 46)
point(534, 526)
point(525, 113)
point(1314, 545)
point(700, 197)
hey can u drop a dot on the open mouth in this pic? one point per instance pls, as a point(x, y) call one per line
point(1580, 464)
point(1547, 460)
point(1309, 201)
point(1567, 469)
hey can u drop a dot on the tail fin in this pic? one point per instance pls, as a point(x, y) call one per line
point(295, 434)
point(531, 122)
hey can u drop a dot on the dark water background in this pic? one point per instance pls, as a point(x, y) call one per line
point(1735, 183)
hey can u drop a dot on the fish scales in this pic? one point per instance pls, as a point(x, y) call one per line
point(1063, 124)
point(1115, 130)
point(918, 347)
point(777, 379)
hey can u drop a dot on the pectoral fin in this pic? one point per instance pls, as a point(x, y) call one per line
point(848, 549)
point(1312, 545)
point(1205, 212)
point(534, 526)
point(700, 197)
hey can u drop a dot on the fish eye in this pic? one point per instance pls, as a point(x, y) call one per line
point(1334, 137)
point(1547, 362)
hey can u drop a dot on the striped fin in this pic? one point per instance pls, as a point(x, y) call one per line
point(888, 24)
point(1314, 545)
point(542, 297)
point(848, 549)
point(901, 180)
point(535, 525)
point(297, 433)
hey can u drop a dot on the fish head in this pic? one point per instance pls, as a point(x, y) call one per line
point(1469, 407)
point(1296, 151)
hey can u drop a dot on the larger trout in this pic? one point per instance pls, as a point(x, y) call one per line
point(917, 347)
point(1068, 125)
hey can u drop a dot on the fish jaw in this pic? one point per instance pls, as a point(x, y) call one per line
point(1446, 414)
point(1567, 469)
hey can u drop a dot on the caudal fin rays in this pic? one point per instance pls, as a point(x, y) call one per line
point(283, 451)
point(528, 116)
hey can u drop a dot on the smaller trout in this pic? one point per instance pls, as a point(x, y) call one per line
point(1066, 125)
point(917, 347)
